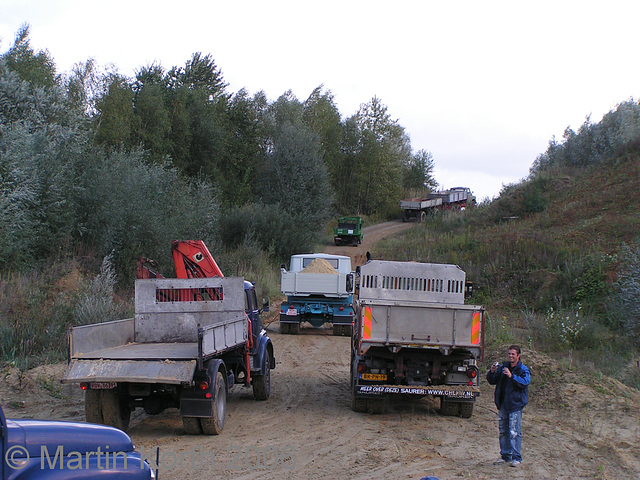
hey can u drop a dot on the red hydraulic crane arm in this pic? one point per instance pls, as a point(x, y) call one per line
point(192, 259)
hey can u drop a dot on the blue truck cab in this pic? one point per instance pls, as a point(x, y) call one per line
point(46, 449)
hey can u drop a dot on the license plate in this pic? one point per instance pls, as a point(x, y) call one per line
point(292, 311)
point(102, 385)
point(373, 376)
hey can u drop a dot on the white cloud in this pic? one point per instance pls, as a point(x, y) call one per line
point(482, 85)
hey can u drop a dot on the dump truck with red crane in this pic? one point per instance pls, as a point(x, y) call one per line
point(192, 339)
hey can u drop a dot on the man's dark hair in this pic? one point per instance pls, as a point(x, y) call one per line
point(515, 347)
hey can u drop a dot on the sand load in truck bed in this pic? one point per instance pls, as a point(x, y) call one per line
point(319, 265)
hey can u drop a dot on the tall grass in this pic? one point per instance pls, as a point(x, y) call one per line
point(37, 308)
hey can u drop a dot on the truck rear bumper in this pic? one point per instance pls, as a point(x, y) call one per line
point(450, 392)
point(174, 372)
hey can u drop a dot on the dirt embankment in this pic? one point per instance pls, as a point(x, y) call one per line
point(575, 426)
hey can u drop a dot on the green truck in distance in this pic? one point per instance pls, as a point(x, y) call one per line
point(348, 231)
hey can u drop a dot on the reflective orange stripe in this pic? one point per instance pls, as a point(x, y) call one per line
point(475, 329)
point(366, 321)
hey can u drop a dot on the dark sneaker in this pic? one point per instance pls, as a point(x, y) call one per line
point(514, 463)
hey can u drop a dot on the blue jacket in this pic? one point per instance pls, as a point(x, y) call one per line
point(511, 394)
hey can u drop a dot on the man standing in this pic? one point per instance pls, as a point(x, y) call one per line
point(511, 379)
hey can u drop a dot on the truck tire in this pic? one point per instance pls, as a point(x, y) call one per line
point(290, 328)
point(262, 383)
point(92, 406)
point(376, 406)
point(192, 425)
point(423, 217)
point(358, 405)
point(213, 425)
point(341, 330)
point(466, 409)
point(449, 408)
point(115, 411)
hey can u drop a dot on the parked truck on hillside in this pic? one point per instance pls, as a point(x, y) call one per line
point(414, 335)
point(457, 198)
point(319, 289)
point(190, 341)
point(349, 231)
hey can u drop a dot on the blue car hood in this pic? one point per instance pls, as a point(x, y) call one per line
point(35, 435)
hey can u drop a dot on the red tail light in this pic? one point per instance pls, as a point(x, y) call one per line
point(203, 385)
point(84, 386)
point(341, 309)
point(472, 372)
point(362, 367)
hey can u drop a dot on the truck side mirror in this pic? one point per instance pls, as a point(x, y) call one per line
point(350, 282)
point(468, 290)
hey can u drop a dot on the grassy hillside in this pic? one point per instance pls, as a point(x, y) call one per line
point(546, 257)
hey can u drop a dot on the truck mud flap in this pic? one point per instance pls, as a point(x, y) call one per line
point(134, 371)
point(464, 393)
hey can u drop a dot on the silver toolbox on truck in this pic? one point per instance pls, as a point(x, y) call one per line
point(177, 323)
point(301, 284)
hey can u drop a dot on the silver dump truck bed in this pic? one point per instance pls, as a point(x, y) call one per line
point(417, 305)
point(420, 203)
point(177, 323)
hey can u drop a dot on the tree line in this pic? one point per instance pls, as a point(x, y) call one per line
point(123, 165)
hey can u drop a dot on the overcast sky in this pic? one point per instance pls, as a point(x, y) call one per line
point(482, 85)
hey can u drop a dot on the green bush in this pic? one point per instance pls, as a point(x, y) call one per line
point(147, 207)
point(272, 229)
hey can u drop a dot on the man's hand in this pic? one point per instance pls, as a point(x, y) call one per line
point(507, 372)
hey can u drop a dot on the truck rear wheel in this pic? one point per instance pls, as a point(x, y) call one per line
point(342, 330)
point(357, 404)
point(466, 409)
point(92, 406)
point(449, 408)
point(213, 425)
point(115, 411)
point(262, 383)
point(192, 425)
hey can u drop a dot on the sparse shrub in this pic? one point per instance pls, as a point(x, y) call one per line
point(255, 265)
point(98, 303)
point(498, 330)
point(629, 296)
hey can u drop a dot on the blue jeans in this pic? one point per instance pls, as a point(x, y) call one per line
point(510, 428)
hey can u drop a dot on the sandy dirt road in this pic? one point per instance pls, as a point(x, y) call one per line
point(307, 430)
